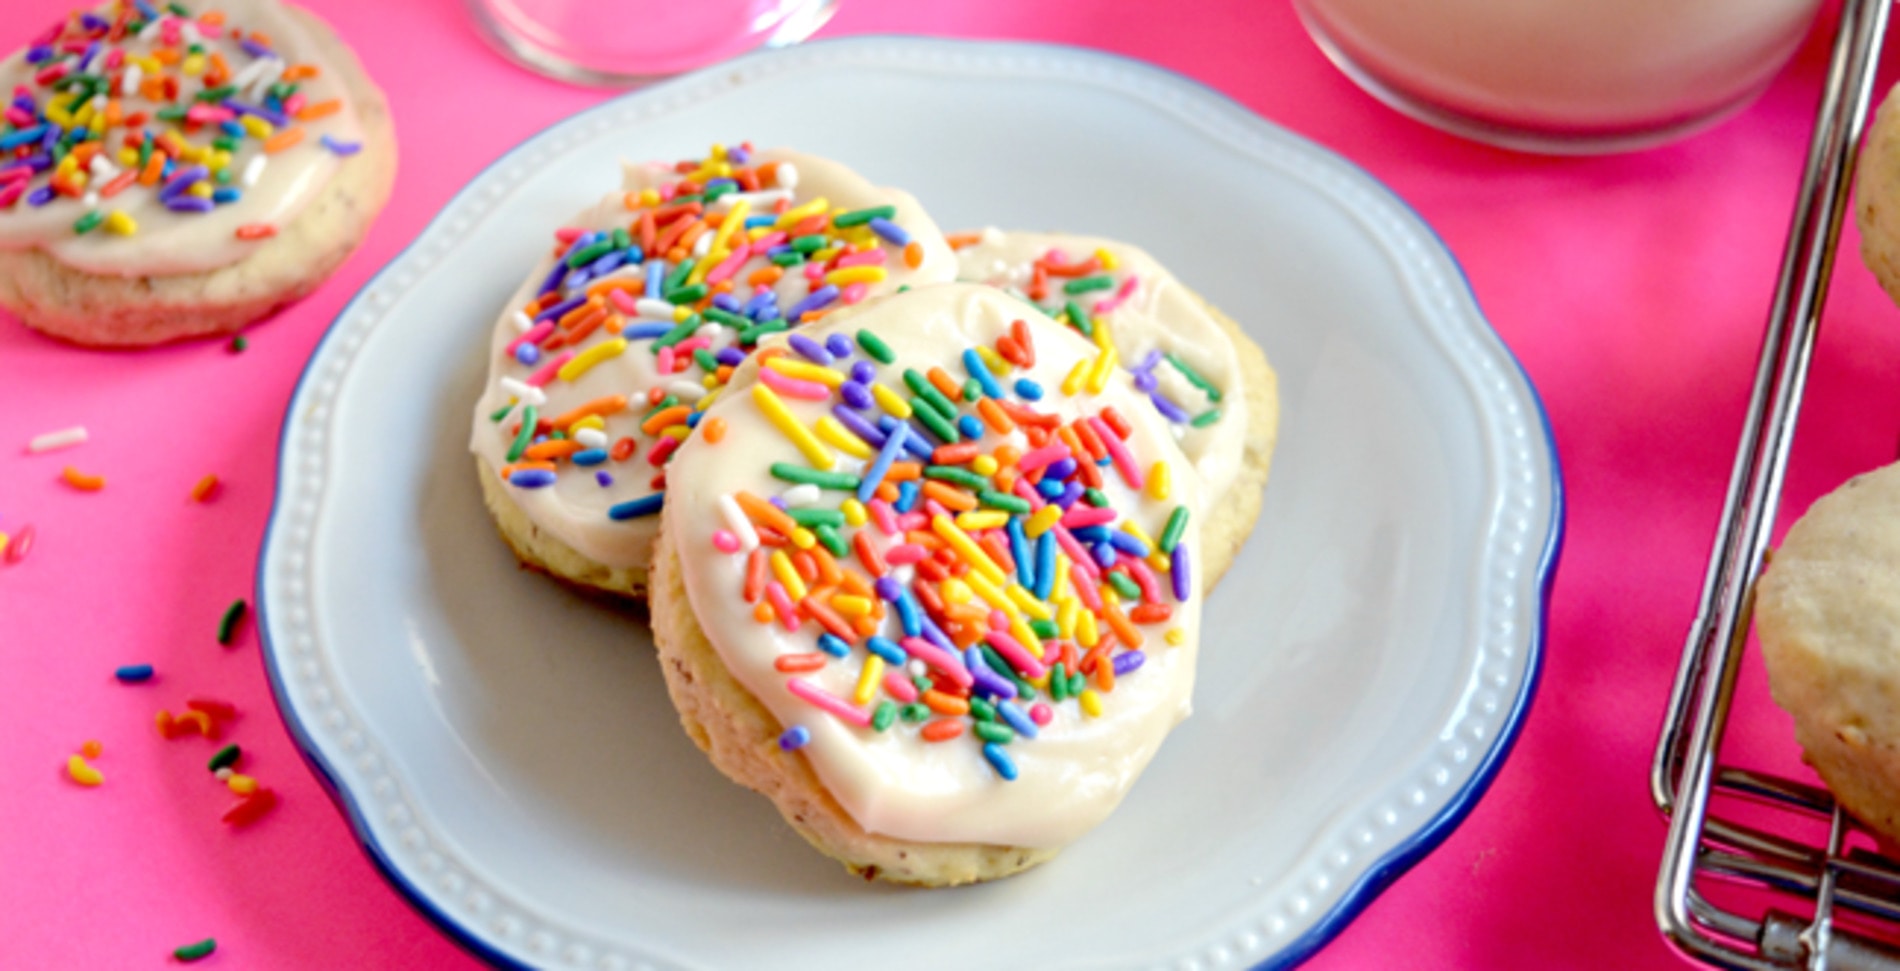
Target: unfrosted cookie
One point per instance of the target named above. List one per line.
(1877, 196)
(1828, 614)
(1195, 365)
(167, 175)
(939, 610)
(599, 363)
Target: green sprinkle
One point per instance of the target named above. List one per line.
(677, 278)
(995, 660)
(1096, 498)
(501, 412)
(922, 387)
(226, 757)
(962, 477)
(238, 344)
(1003, 501)
(530, 415)
(217, 94)
(171, 113)
(751, 335)
(712, 194)
(799, 474)
(832, 539)
(690, 294)
(1078, 319)
(1076, 683)
(727, 317)
(224, 143)
(858, 217)
(582, 257)
(886, 714)
(1058, 683)
(982, 709)
(1025, 692)
(993, 732)
(807, 245)
(223, 176)
(971, 389)
(557, 436)
(922, 683)
(664, 403)
(1171, 533)
(1045, 629)
(705, 359)
(202, 949)
(816, 517)
(233, 615)
(145, 152)
(1123, 585)
(790, 257)
(1194, 377)
(936, 423)
(875, 346)
(622, 239)
(89, 222)
(1206, 418)
(1088, 284)
(283, 92)
(914, 713)
(680, 332)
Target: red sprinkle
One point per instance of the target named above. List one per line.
(251, 808)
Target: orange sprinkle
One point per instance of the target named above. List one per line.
(942, 381)
(558, 449)
(1115, 421)
(714, 430)
(955, 454)
(801, 663)
(1118, 622)
(942, 730)
(887, 490)
(1152, 613)
(951, 497)
(81, 481)
(913, 254)
(945, 704)
(299, 72)
(766, 275)
(763, 613)
(827, 566)
(828, 618)
(806, 566)
(994, 416)
(283, 140)
(508, 470)
(755, 576)
(764, 512)
(603, 406)
(665, 417)
(904, 472)
(1105, 677)
(166, 55)
(962, 240)
(264, 39)
(92, 748)
(205, 489)
(256, 231)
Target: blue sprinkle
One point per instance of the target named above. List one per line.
(1090, 534)
(531, 479)
(634, 508)
(908, 613)
(529, 354)
(645, 332)
(1049, 487)
(1019, 551)
(692, 420)
(134, 673)
(1128, 543)
(795, 738)
(815, 300)
(971, 426)
(907, 493)
(1104, 555)
(224, 194)
(728, 303)
(809, 349)
(855, 395)
(759, 302)
(863, 372)
(1045, 564)
(231, 128)
(889, 231)
(885, 648)
(973, 363)
(342, 148)
(606, 264)
(833, 645)
(1028, 390)
(635, 254)
(24, 136)
(839, 345)
(1022, 723)
(604, 477)
(754, 222)
(999, 760)
(656, 275)
(589, 456)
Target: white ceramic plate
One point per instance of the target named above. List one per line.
(507, 753)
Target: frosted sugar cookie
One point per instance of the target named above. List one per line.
(932, 590)
(181, 169)
(1196, 367)
(602, 362)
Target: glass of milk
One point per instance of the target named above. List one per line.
(621, 44)
(1562, 76)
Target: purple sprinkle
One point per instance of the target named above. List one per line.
(987, 681)
(254, 48)
(855, 394)
(555, 276)
(342, 148)
(1144, 380)
(839, 345)
(859, 427)
(92, 51)
(1168, 409)
(1104, 554)
(277, 119)
(778, 501)
(890, 232)
(780, 248)
(729, 356)
(1128, 661)
(39, 161)
(889, 590)
(815, 300)
(864, 372)
(1148, 361)
(189, 203)
(37, 54)
(737, 155)
(728, 303)
(759, 302)
(810, 349)
(935, 635)
(555, 312)
(604, 478)
(1060, 469)
(531, 479)
(1071, 494)
(185, 179)
(607, 264)
(795, 738)
(527, 354)
(40, 196)
(1127, 543)
(1178, 572)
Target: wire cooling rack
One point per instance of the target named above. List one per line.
(1761, 872)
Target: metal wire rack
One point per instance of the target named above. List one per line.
(1760, 872)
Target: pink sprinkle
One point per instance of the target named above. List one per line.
(815, 273)
(905, 554)
(21, 545)
(568, 234)
(1079, 557)
(854, 292)
(18, 173)
(294, 104)
(730, 264)
(769, 240)
(898, 686)
(885, 517)
(533, 335)
(1041, 458)
(1040, 713)
(665, 361)
(1121, 296)
(819, 697)
(1124, 462)
(793, 387)
(11, 194)
(1144, 578)
(208, 114)
(782, 605)
(724, 541)
(998, 619)
(686, 347)
(1080, 516)
(939, 661)
(19, 117)
(622, 301)
(870, 257)
(549, 370)
(1015, 653)
(1028, 493)
(912, 520)
(933, 509)
(668, 191)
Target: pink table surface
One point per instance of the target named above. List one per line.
(1632, 288)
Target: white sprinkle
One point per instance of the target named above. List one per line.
(91, 199)
(591, 437)
(737, 522)
(129, 83)
(708, 330)
(801, 495)
(523, 323)
(686, 390)
(223, 773)
(762, 199)
(151, 29)
(249, 75)
(64, 438)
(102, 168)
(787, 176)
(189, 31)
(654, 308)
(703, 244)
(917, 668)
(253, 170)
(524, 392)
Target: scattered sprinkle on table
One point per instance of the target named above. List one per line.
(81, 772)
(198, 951)
(134, 673)
(238, 344)
(82, 481)
(205, 490)
(21, 544)
(64, 438)
(233, 616)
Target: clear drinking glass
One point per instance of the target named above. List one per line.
(623, 43)
(1562, 76)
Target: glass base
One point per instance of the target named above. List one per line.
(1520, 135)
(549, 51)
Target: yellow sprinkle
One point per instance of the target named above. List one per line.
(792, 217)
(1065, 618)
(992, 360)
(707, 402)
(851, 605)
(57, 113)
(1085, 633)
(1110, 597)
(82, 773)
(735, 217)
(1091, 702)
(200, 189)
(119, 224)
(991, 594)
(824, 255)
(1073, 383)
(859, 236)
(854, 512)
(710, 381)
(194, 65)
(84, 115)
(983, 465)
(1028, 602)
(966, 548)
(788, 575)
(218, 159)
(1061, 592)
(242, 785)
(67, 166)
(956, 591)
(649, 197)
(782, 419)
(1042, 521)
(704, 266)
(681, 312)
(889, 400)
(257, 127)
(846, 441)
(582, 362)
(718, 151)
(1158, 562)
(868, 678)
(804, 538)
(591, 421)
(1102, 340)
(1019, 628)
(128, 157)
(1175, 636)
(679, 432)
(806, 371)
(1107, 259)
(1160, 477)
(983, 519)
(855, 274)
(1104, 366)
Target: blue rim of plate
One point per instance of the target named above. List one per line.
(1363, 891)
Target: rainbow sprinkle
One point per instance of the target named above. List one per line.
(702, 268)
(139, 98)
(1010, 574)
